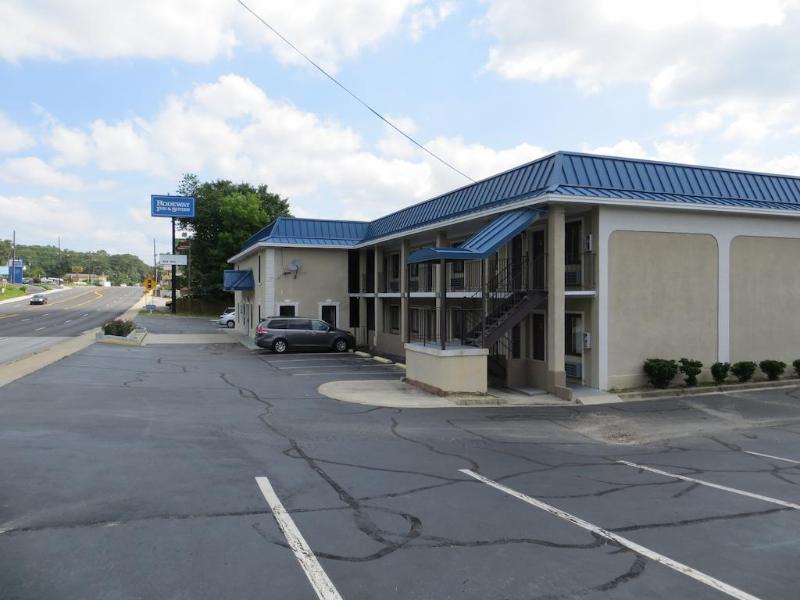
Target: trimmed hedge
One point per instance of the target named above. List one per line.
(719, 371)
(118, 327)
(660, 371)
(773, 369)
(743, 370)
(690, 368)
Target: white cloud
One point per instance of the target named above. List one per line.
(788, 164)
(684, 50)
(232, 129)
(34, 171)
(71, 145)
(13, 137)
(44, 218)
(664, 150)
(200, 30)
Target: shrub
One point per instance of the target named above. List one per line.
(719, 371)
(660, 371)
(773, 369)
(690, 368)
(796, 365)
(743, 370)
(118, 327)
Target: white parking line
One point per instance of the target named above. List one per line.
(392, 372)
(344, 365)
(320, 581)
(640, 550)
(789, 460)
(68, 321)
(28, 319)
(717, 486)
(40, 328)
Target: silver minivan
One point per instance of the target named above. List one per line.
(280, 334)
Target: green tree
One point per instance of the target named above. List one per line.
(226, 215)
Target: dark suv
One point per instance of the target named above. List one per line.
(279, 334)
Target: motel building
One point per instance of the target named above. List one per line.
(562, 274)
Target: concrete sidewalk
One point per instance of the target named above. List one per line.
(398, 394)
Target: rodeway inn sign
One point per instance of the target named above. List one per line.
(172, 206)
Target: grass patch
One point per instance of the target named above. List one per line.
(13, 292)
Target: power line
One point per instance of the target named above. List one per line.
(353, 94)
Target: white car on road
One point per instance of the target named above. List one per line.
(228, 317)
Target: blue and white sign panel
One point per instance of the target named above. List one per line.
(172, 206)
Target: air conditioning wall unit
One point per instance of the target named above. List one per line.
(574, 370)
(572, 277)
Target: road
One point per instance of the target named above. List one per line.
(25, 329)
(208, 471)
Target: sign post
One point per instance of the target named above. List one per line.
(173, 207)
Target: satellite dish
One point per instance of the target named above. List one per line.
(294, 267)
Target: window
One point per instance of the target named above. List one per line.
(319, 325)
(304, 324)
(259, 269)
(538, 332)
(393, 322)
(572, 243)
(395, 259)
(329, 312)
(355, 312)
(573, 335)
(277, 324)
(286, 310)
(259, 313)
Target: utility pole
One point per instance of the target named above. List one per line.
(174, 271)
(13, 256)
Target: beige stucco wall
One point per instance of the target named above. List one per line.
(389, 343)
(254, 297)
(662, 301)
(322, 278)
(765, 295)
(449, 371)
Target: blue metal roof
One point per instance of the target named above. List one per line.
(315, 232)
(484, 242)
(568, 174)
(237, 280)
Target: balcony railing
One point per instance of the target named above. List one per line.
(423, 327)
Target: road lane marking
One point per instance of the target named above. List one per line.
(640, 550)
(717, 486)
(7, 316)
(40, 328)
(319, 580)
(68, 322)
(789, 460)
(24, 320)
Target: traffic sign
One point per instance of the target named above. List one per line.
(166, 260)
(149, 284)
(172, 206)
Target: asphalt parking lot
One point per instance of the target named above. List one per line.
(209, 471)
(329, 365)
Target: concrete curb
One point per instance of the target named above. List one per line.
(751, 386)
(29, 296)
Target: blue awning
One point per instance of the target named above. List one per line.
(238, 280)
(484, 242)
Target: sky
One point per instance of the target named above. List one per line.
(104, 102)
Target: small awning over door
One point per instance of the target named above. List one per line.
(484, 242)
(238, 280)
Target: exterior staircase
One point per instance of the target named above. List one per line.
(509, 299)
